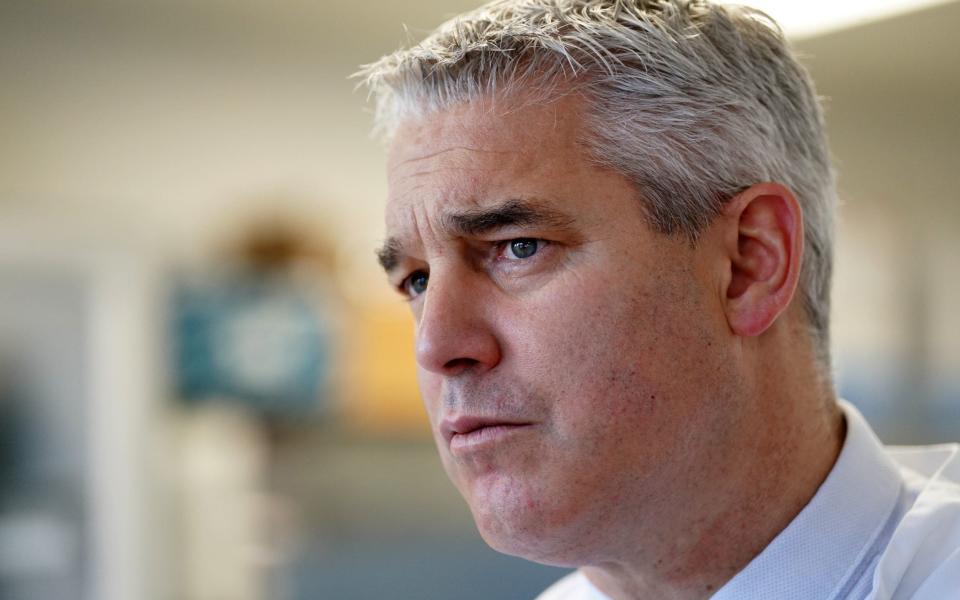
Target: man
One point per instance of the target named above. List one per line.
(613, 223)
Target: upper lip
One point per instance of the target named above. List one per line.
(465, 424)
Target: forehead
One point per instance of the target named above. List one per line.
(514, 123)
(484, 152)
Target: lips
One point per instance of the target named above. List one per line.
(464, 433)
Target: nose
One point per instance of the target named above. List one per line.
(453, 331)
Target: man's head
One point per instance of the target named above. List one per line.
(600, 212)
(691, 101)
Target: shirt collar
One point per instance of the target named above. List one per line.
(824, 547)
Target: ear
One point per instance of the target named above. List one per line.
(764, 244)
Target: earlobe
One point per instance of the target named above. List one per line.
(764, 246)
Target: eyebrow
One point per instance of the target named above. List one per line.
(388, 255)
(474, 222)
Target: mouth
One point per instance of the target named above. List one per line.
(468, 433)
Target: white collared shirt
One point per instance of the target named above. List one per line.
(884, 525)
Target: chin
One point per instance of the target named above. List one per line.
(546, 535)
(544, 548)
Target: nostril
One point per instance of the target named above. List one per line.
(460, 364)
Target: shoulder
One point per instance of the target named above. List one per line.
(574, 586)
(922, 560)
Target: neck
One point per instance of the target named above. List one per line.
(764, 484)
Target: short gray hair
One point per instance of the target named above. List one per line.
(691, 101)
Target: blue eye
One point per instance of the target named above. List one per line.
(523, 247)
(416, 283)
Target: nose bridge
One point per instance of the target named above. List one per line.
(453, 332)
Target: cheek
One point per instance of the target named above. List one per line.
(611, 359)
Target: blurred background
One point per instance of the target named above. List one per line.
(206, 387)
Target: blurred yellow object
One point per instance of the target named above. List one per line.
(383, 396)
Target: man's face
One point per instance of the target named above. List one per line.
(573, 362)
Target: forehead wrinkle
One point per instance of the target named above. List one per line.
(417, 226)
(430, 155)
